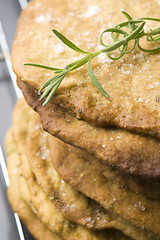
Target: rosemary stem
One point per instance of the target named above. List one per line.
(114, 46)
(80, 63)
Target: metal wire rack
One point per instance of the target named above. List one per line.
(9, 220)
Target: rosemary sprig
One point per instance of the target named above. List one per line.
(120, 38)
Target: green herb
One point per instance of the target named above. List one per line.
(120, 38)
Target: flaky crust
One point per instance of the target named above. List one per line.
(132, 82)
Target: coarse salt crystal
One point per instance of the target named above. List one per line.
(102, 58)
(140, 100)
(156, 84)
(91, 11)
(58, 48)
(150, 85)
(43, 18)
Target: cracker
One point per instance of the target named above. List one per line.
(72, 203)
(130, 153)
(18, 204)
(131, 82)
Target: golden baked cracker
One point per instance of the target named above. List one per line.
(130, 153)
(131, 82)
(15, 198)
(72, 203)
(77, 171)
(148, 189)
(44, 207)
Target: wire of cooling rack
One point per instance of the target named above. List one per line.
(23, 3)
(6, 178)
(5, 55)
(4, 169)
(1, 57)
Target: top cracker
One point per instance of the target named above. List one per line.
(133, 82)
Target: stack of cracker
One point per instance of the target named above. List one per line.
(85, 166)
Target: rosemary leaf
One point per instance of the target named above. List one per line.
(53, 79)
(112, 30)
(95, 80)
(133, 35)
(53, 90)
(67, 41)
(43, 66)
(155, 50)
(126, 15)
(49, 88)
(151, 19)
